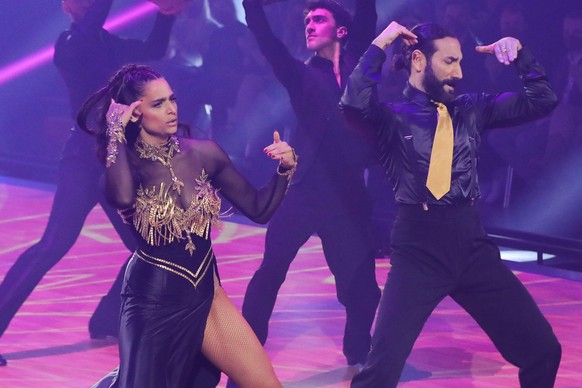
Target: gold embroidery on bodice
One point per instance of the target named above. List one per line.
(193, 278)
(160, 220)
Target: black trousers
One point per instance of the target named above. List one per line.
(345, 237)
(77, 193)
(445, 252)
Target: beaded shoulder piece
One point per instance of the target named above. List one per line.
(160, 220)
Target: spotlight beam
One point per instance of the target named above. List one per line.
(44, 55)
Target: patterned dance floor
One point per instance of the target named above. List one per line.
(47, 344)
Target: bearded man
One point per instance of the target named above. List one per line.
(429, 148)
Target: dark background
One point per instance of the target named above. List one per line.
(35, 117)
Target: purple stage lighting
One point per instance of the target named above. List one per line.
(44, 55)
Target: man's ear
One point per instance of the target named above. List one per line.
(417, 61)
(341, 32)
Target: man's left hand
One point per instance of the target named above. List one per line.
(505, 49)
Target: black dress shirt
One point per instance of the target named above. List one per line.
(332, 158)
(87, 55)
(405, 130)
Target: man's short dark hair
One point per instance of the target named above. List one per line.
(340, 14)
(426, 33)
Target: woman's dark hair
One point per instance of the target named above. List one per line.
(340, 14)
(426, 34)
(125, 87)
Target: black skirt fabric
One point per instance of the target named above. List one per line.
(165, 305)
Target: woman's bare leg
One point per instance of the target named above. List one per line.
(231, 345)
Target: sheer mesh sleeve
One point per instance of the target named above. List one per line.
(257, 204)
(197, 160)
(120, 187)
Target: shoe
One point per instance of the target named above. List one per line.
(3, 361)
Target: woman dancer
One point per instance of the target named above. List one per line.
(175, 315)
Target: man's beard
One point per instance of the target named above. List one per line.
(435, 88)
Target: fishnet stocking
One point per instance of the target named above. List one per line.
(230, 344)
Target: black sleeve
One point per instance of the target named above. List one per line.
(363, 28)
(120, 182)
(84, 39)
(154, 47)
(88, 45)
(359, 103)
(95, 16)
(286, 68)
(536, 100)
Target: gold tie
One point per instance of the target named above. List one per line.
(441, 156)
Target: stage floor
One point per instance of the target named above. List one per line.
(47, 343)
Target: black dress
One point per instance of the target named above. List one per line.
(170, 281)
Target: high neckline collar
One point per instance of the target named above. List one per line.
(421, 98)
(161, 152)
(417, 96)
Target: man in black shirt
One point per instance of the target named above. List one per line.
(439, 246)
(328, 195)
(86, 55)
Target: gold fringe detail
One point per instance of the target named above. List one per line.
(160, 220)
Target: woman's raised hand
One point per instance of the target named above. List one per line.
(282, 152)
(121, 113)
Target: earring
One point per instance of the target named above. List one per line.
(133, 119)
